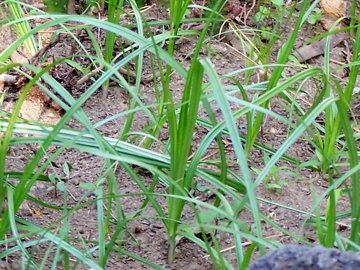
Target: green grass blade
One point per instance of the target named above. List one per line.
(234, 135)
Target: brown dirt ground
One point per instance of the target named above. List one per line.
(148, 232)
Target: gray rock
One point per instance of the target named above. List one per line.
(298, 257)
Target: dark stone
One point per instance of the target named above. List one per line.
(298, 257)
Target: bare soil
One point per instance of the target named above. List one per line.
(148, 233)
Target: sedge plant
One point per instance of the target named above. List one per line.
(336, 121)
(276, 73)
(114, 10)
(333, 120)
(21, 28)
(181, 129)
